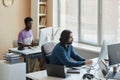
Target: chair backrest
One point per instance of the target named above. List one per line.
(15, 44)
(1, 56)
(47, 49)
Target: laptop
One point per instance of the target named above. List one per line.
(56, 70)
(108, 74)
(104, 68)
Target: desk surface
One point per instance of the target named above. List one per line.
(42, 75)
(26, 51)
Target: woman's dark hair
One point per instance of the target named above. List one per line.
(65, 35)
(27, 19)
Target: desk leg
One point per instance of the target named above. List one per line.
(26, 60)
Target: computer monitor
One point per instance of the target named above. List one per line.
(45, 35)
(114, 54)
(103, 53)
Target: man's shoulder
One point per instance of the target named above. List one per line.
(24, 31)
(59, 46)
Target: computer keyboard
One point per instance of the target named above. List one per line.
(110, 75)
(113, 75)
(117, 76)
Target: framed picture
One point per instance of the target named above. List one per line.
(8, 3)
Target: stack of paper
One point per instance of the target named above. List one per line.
(12, 58)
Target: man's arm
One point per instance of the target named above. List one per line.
(78, 58)
(34, 44)
(23, 45)
(61, 55)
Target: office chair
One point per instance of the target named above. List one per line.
(1, 56)
(47, 49)
(14, 43)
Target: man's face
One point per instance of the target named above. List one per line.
(70, 39)
(29, 25)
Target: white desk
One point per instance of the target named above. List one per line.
(28, 53)
(15, 71)
(42, 75)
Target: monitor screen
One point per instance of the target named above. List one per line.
(45, 35)
(114, 54)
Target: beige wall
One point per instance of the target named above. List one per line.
(11, 22)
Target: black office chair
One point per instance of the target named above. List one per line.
(47, 49)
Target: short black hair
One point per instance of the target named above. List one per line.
(65, 35)
(27, 19)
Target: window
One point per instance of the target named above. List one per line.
(91, 21)
(118, 38)
(109, 20)
(71, 18)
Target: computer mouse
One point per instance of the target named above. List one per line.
(88, 76)
(21, 48)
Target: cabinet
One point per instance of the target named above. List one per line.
(41, 12)
(15, 71)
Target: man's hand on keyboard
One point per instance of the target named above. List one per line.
(88, 62)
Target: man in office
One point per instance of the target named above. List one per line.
(25, 37)
(63, 51)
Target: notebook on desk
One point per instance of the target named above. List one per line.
(73, 70)
(56, 71)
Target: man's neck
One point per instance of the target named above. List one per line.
(67, 45)
(27, 29)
